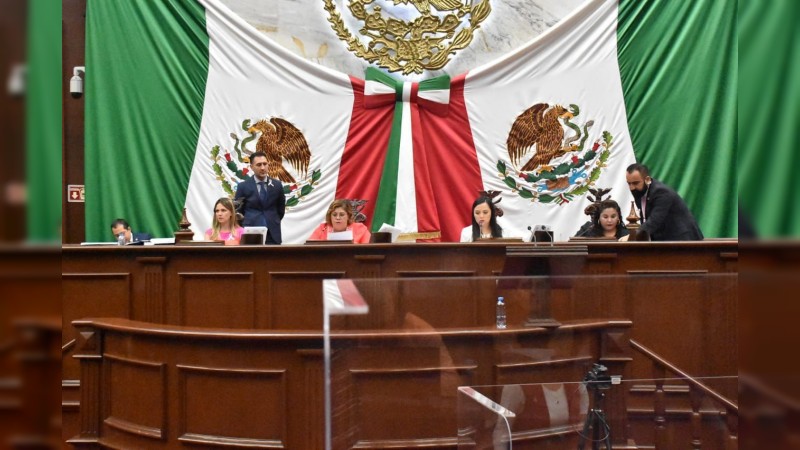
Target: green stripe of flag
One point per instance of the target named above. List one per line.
(441, 82)
(678, 63)
(769, 112)
(146, 69)
(386, 204)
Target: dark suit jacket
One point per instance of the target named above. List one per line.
(667, 216)
(258, 214)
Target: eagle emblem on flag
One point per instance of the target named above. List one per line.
(288, 158)
(408, 36)
(547, 159)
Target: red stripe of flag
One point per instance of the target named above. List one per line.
(365, 151)
(453, 173)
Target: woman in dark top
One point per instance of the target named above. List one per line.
(606, 222)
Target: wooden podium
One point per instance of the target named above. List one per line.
(550, 267)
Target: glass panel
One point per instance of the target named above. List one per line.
(421, 362)
(482, 423)
(668, 413)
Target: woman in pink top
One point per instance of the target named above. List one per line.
(223, 227)
(340, 218)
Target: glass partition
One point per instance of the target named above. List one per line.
(421, 362)
(583, 415)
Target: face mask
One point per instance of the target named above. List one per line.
(639, 193)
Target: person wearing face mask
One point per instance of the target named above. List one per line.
(340, 218)
(121, 226)
(664, 214)
(484, 222)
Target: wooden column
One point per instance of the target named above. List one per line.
(90, 354)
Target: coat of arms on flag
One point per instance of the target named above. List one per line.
(436, 30)
(288, 158)
(551, 166)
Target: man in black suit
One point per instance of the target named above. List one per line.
(665, 216)
(122, 226)
(261, 199)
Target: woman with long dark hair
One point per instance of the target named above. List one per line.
(484, 221)
(607, 221)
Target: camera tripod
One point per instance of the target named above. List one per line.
(596, 422)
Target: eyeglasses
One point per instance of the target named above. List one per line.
(337, 215)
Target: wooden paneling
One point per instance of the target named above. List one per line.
(135, 382)
(217, 300)
(423, 399)
(446, 299)
(296, 299)
(444, 286)
(260, 389)
(233, 406)
(91, 295)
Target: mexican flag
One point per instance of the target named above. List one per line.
(180, 92)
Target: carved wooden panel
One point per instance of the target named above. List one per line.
(313, 398)
(91, 295)
(295, 299)
(670, 312)
(217, 299)
(383, 398)
(233, 406)
(442, 299)
(150, 289)
(134, 382)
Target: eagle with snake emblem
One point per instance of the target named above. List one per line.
(281, 141)
(538, 128)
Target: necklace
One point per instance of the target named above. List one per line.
(485, 236)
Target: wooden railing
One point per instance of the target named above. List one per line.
(697, 391)
(770, 413)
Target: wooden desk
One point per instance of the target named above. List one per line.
(278, 289)
(163, 387)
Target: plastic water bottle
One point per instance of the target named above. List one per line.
(121, 239)
(501, 313)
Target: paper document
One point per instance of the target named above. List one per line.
(162, 241)
(346, 235)
(395, 232)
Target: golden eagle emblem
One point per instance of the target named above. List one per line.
(282, 141)
(408, 35)
(537, 143)
(538, 128)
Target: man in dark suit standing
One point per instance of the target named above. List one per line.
(261, 199)
(665, 216)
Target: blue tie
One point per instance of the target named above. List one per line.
(262, 194)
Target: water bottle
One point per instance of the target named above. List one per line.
(121, 238)
(501, 313)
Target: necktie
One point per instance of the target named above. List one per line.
(262, 191)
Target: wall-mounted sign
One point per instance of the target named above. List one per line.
(75, 193)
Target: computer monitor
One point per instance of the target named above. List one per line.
(254, 236)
